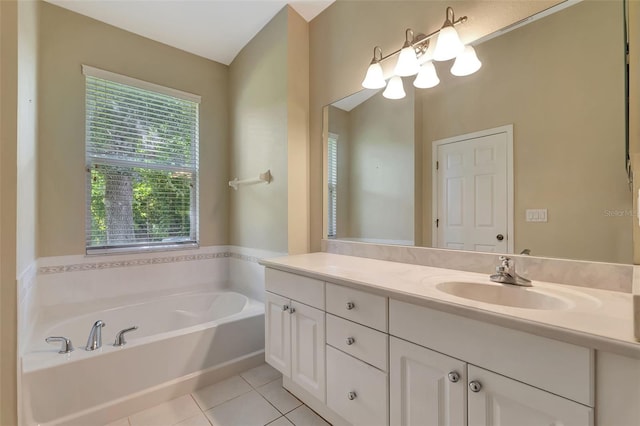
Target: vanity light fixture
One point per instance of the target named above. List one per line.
(466, 63)
(395, 88)
(441, 45)
(449, 45)
(427, 77)
(374, 78)
(407, 64)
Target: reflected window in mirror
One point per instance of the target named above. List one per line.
(332, 162)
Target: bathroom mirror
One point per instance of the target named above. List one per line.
(557, 84)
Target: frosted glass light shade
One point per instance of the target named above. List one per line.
(466, 63)
(448, 45)
(427, 77)
(407, 62)
(395, 89)
(374, 78)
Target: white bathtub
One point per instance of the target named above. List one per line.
(179, 337)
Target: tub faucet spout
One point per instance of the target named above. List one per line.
(95, 336)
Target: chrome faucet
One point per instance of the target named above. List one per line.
(506, 273)
(95, 336)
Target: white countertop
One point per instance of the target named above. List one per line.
(593, 318)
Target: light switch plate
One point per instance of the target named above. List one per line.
(536, 215)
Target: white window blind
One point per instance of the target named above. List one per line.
(332, 172)
(142, 165)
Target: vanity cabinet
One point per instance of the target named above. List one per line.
(426, 387)
(429, 388)
(495, 400)
(295, 331)
(390, 362)
(357, 355)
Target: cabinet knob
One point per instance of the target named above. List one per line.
(350, 306)
(475, 386)
(454, 376)
(292, 310)
(285, 308)
(350, 340)
(351, 396)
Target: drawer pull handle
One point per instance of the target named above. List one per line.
(292, 310)
(350, 341)
(454, 376)
(350, 306)
(351, 396)
(475, 386)
(285, 308)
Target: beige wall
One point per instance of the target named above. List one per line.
(8, 203)
(569, 128)
(268, 109)
(341, 44)
(381, 178)
(68, 40)
(298, 133)
(634, 113)
(27, 134)
(258, 112)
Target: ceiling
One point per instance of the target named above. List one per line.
(214, 29)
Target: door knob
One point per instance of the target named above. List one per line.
(499, 237)
(351, 396)
(350, 305)
(292, 310)
(285, 308)
(454, 376)
(350, 340)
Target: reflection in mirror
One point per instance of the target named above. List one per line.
(559, 86)
(371, 180)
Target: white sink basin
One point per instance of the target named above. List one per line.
(516, 297)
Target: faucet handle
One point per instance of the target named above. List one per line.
(67, 346)
(120, 336)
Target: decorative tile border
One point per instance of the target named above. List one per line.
(56, 269)
(245, 257)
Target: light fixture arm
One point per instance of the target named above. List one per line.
(377, 59)
(421, 41)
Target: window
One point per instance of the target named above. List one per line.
(332, 172)
(142, 164)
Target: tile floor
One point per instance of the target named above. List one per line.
(254, 398)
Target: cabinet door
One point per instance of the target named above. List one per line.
(278, 333)
(422, 393)
(307, 348)
(502, 401)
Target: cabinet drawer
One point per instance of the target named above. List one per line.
(356, 391)
(367, 344)
(296, 287)
(363, 308)
(558, 367)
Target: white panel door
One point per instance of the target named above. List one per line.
(422, 394)
(278, 333)
(501, 401)
(471, 193)
(307, 349)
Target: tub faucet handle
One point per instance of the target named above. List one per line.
(66, 348)
(120, 336)
(95, 336)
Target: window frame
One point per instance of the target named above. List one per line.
(193, 242)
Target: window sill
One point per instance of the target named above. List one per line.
(101, 251)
